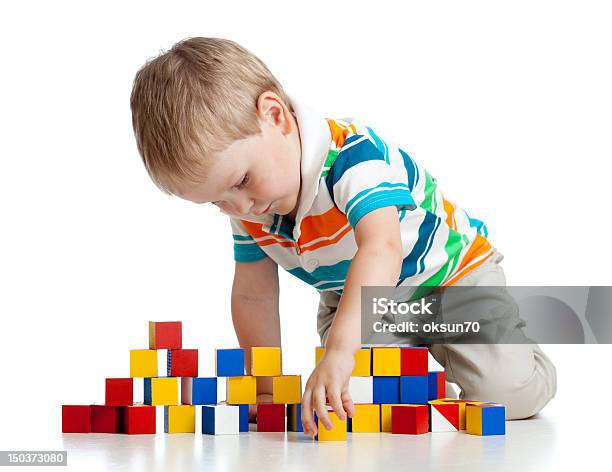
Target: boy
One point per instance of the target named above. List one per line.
(331, 202)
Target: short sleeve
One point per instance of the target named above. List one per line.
(363, 178)
(245, 247)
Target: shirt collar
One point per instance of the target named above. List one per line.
(315, 139)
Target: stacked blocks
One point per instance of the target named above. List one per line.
(229, 362)
(139, 419)
(106, 419)
(294, 418)
(485, 419)
(241, 390)
(443, 416)
(365, 420)
(220, 419)
(199, 390)
(165, 335)
(436, 385)
(391, 389)
(179, 419)
(161, 391)
(270, 417)
(182, 363)
(143, 363)
(409, 419)
(119, 392)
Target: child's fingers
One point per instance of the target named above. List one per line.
(307, 419)
(347, 403)
(336, 403)
(318, 397)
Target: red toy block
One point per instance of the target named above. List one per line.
(106, 419)
(409, 419)
(182, 363)
(413, 360)
(76, 418)
(271, 417)
(165, 335)
(119, 392)
(139, 419)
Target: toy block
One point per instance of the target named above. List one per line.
(165, 335)
(485, 419)
(409, 419)
(462, 404)
(76, 418)
(161, 391)
(182, 363)
(414, 360)
(199, 390)
(294, 418)
(365, 420)
(443, 417)
(363, 358)
(139, 419)
(338, 431)
(386, 361)
(270, 417)
(106, 419)
(229, 362)
(385, 416)
(436, 385)
(243, 413)
(413, 389)
(266, 361)
(287, 389)
(386, 389)
(143, 363)
(241, 390)
(119, 392)
(179, 418)
(220, 419)
(361, 389)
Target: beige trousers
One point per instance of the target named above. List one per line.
(520, 376)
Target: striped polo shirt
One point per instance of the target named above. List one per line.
(347, 171)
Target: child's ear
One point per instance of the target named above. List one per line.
(272, 110)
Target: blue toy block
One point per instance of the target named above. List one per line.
(220, 419)
(493, 421)
(147, 390)
(229, 362)
(244, 418)
(386, 389)
(414, 389)
(433, 386)
(294, 418)
(204, 391)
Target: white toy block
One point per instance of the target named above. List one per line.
(361, 389)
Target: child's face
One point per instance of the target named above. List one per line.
(259, 174)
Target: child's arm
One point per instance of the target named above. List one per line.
(255, 312)
(378, 261)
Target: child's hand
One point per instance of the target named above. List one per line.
(261, 398)
(328, 383)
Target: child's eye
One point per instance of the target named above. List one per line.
(243, 182)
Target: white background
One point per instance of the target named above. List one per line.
(506, 104)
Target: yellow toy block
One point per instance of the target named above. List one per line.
(462, 404)
(385, 416)
(387, 361)
(338, 431)
(287, 389)
(366, 419)
(161, 391)
(485, 419)
(362, 361)
(266, 361)
(179, 419)
(241, 389)
(143, 363)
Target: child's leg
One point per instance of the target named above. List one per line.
(520, 376)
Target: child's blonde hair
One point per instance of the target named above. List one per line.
(194, 100)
